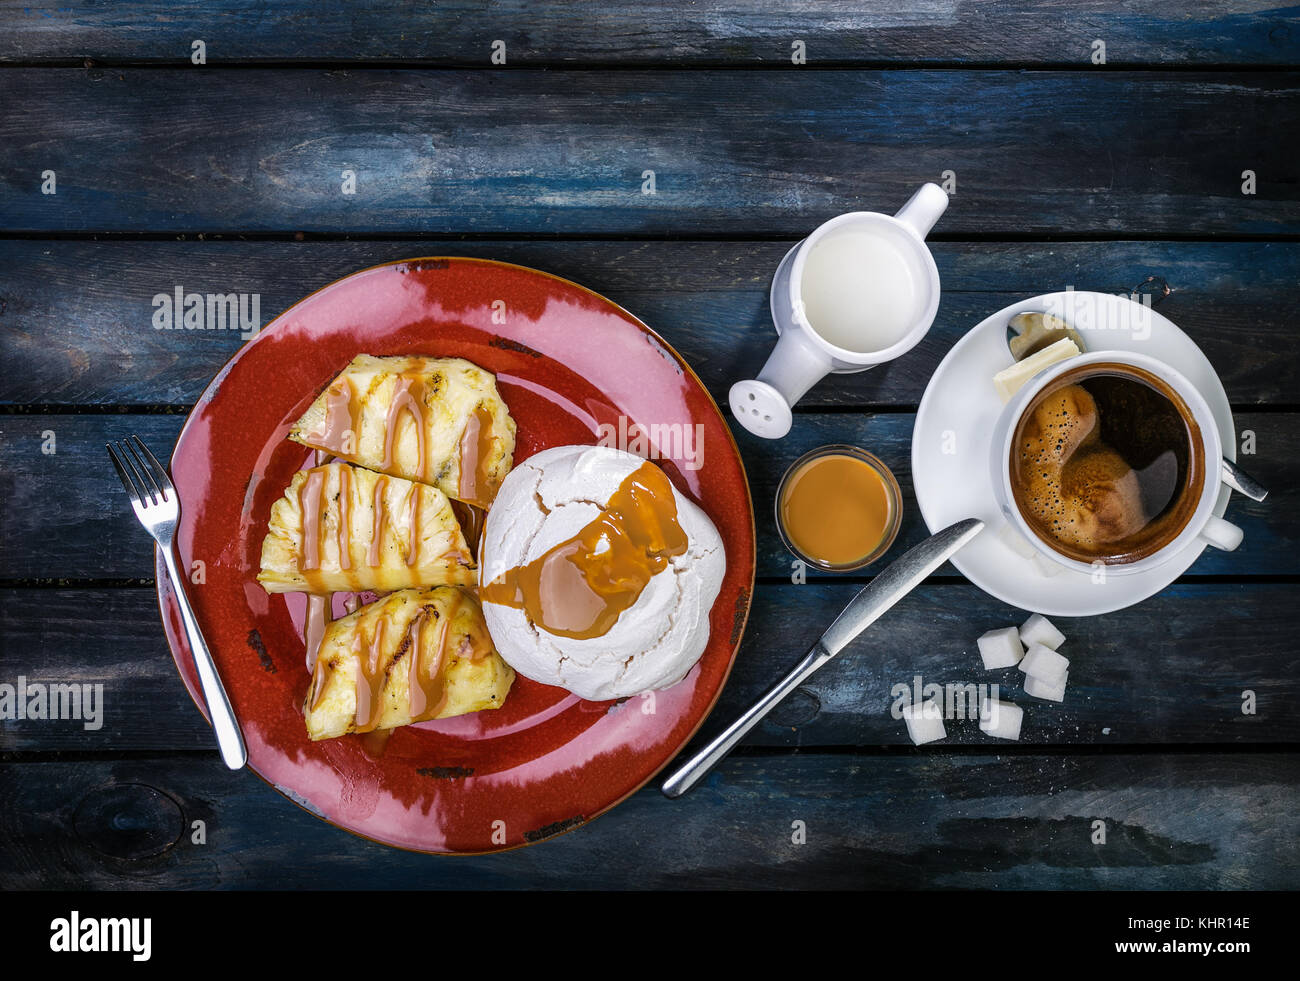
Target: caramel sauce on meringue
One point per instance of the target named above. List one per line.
(581, 586)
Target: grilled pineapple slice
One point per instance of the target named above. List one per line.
(340, 527)
(440, 421)
(412, 656)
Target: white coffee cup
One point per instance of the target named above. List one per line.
(860, 290)
(1202, 525)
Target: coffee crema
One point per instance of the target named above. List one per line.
(1107, 463)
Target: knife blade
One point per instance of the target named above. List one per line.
(874, 599)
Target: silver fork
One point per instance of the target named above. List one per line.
(157, 505)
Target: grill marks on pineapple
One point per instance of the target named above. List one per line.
(406, 658)
(433, 420)
(426, 676)
(405, 534)
(409, 403)
(424, 689)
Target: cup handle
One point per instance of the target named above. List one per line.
(1221, 534)
(923, 208)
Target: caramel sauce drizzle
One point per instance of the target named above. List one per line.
(475, 484)
(310, 494)
(319, 669)
(581, 586)
(317, 689)
(427, 694)
(318, 607)
(377, 522)
(340, 419)
(370, 681)
(374, 741)
(425, 681)
(345, 518)
(314, 628)
(470, 518)
(426, 669)
(476, 644)
(412, 524)
(408, 396)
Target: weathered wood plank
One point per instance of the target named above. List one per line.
(1173, 670)
(737, 152)
(77, 315)
(66, 515)
(1187, 821)
(712, 31)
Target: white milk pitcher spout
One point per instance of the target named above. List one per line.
(860, 290)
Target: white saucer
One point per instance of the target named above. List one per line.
(957, 414)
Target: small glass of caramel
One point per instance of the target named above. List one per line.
(838, 508)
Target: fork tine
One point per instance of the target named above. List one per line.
(138, 466)
(127, 483)
(124, 453)
(158, 470)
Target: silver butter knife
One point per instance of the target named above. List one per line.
(886, 589)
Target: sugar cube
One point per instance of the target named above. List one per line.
(1045, 664)
(1041, 689)
(1000, 719)
(1001, 648)
(924, 722)
(1039, 630)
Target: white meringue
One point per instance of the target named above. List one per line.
(546, 500)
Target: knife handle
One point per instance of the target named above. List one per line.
(693, 770)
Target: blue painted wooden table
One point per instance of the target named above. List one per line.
(146, 146)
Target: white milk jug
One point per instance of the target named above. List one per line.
(860, 290)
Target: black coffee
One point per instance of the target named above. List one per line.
(1106, 464)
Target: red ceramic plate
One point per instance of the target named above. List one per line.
(567, 362)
